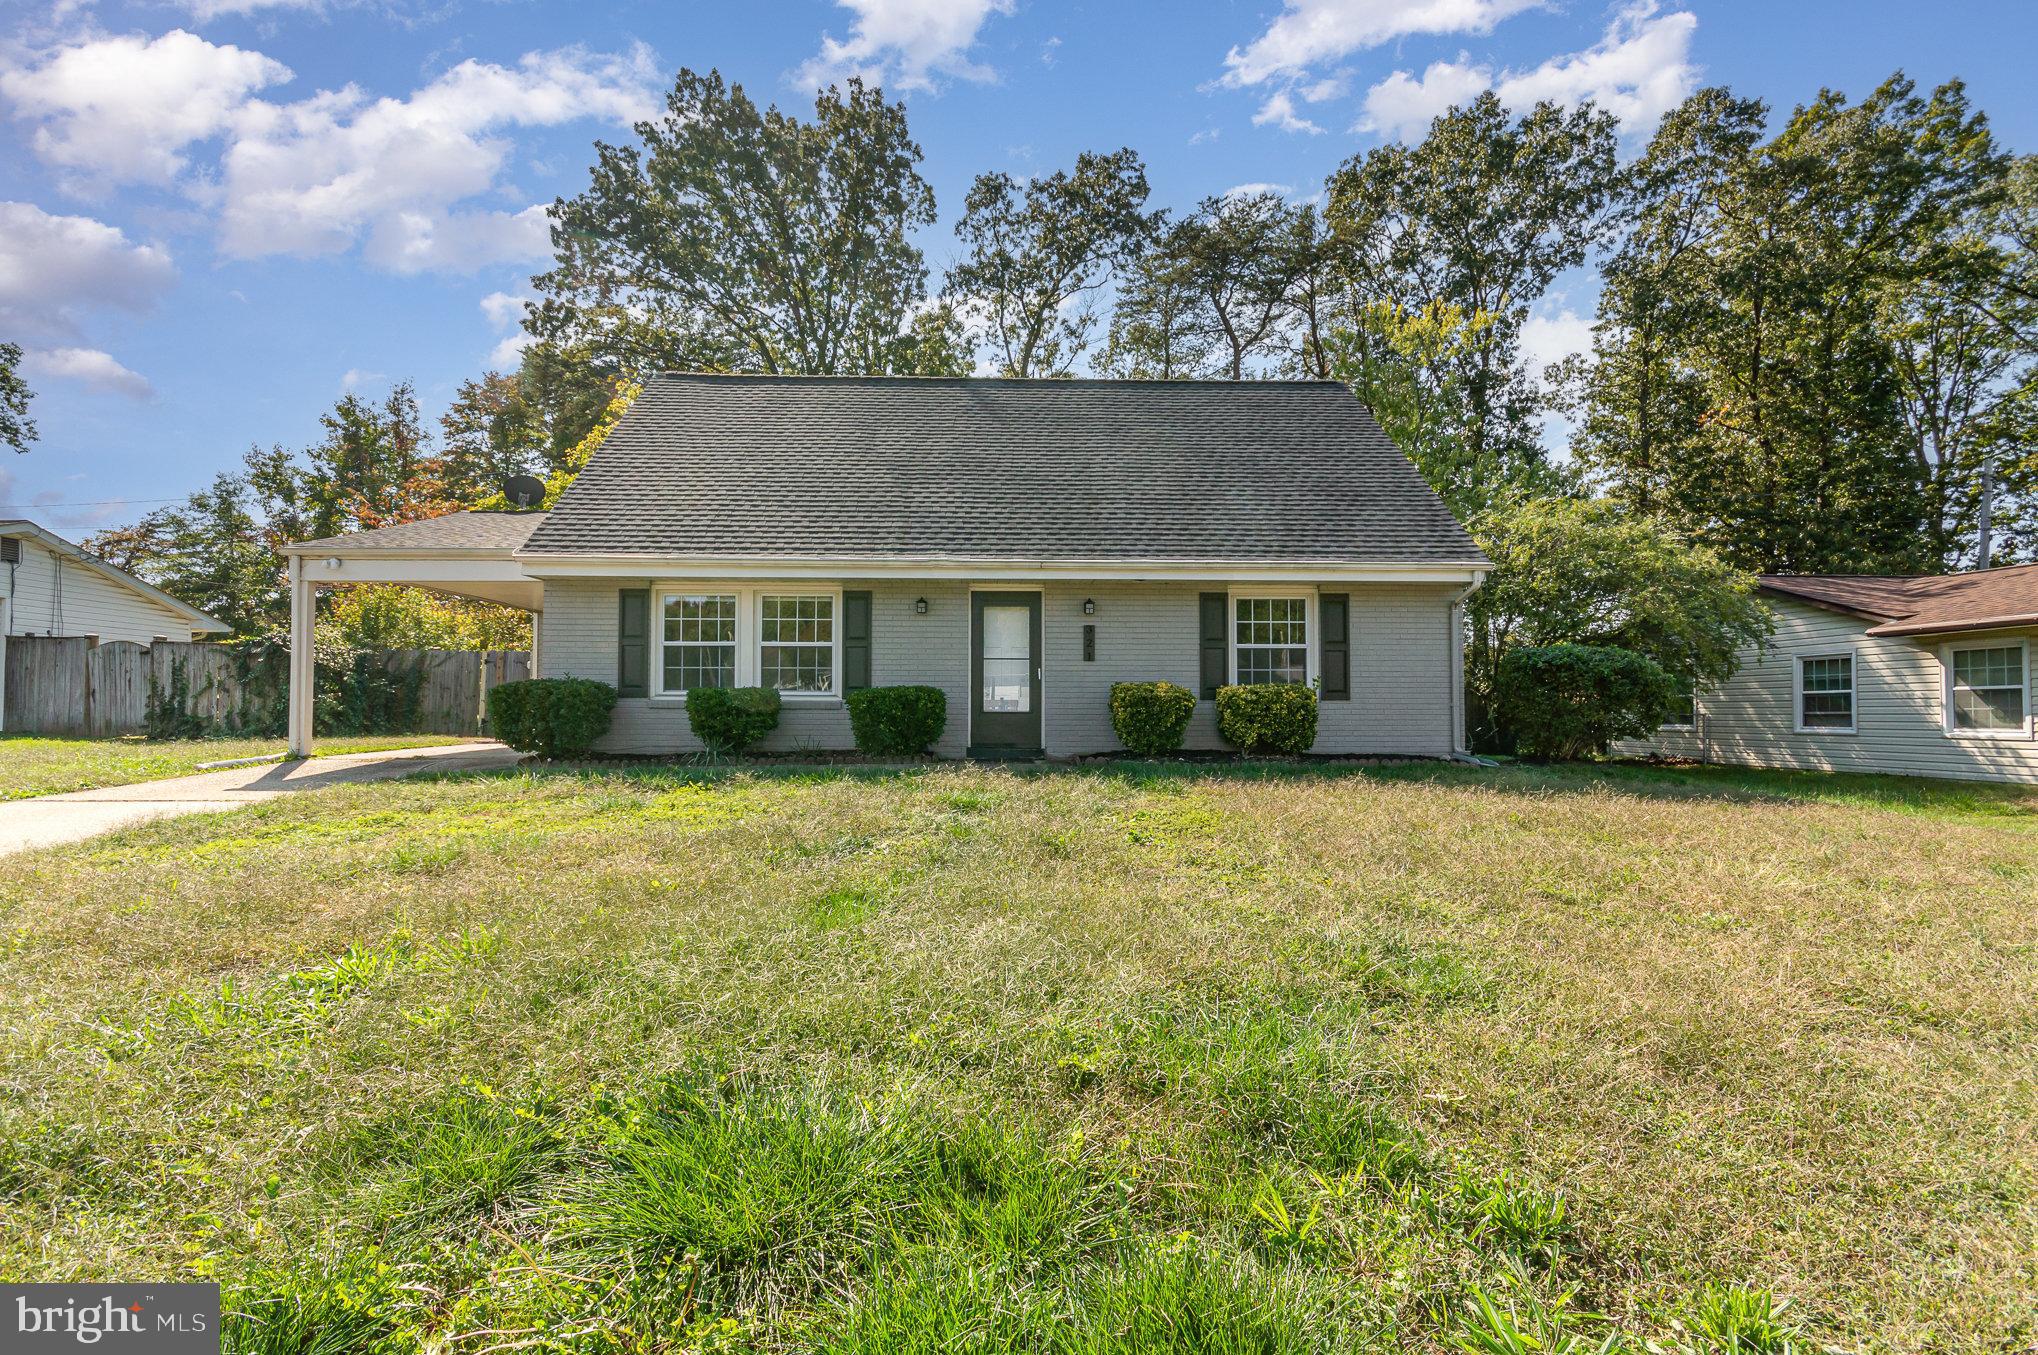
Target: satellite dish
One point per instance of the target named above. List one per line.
(524, 491)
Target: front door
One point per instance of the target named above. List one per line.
(1004, 669)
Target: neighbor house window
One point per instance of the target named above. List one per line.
(1271, 640)
(1825, 692)
(700, 641)
(1683, 708)
(796, 642)
(1986, 691)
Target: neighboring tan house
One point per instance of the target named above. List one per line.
(1020, 544)
(1923, 676)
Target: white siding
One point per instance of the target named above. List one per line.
(53, 595)
(1899, 709)
(1403, 665)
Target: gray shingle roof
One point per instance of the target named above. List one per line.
(454, 531)
(741, 466)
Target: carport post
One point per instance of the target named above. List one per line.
(301, 666)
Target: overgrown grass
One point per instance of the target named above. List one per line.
(1121, 1059)
(33, 765)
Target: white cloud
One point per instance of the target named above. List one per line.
(905, 44)
(337, 169)
(1309, 32)
(214, 9)
(54, 268)
(1257, 189)
(1279, 109)
(126, 109)
(1555, 332)
(89, 366)
(1640, 69)
(505, 313)
(354, 378)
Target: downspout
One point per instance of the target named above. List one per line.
(1456, 675)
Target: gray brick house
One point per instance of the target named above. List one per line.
(1020, 544)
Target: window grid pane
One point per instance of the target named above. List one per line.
(1271, 638)
(1988, 688)
(796, 643)
(1828, 688)
(700, 642)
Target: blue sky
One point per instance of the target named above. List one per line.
(217, 215)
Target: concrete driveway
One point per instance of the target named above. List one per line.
(50, 819)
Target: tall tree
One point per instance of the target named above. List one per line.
(1036, 255)
(1157, 333)
(1796, 360)
(17, 430)
(213, 551)
(740, 238)
(1482, 215)
(375, 466)
(1240, 254)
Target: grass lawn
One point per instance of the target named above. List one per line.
(1112, 1059)
(33, 765)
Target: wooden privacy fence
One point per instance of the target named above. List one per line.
(73, 686)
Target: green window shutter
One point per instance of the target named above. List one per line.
(1334, 648)
(1216, 645)
(633, 642)
(855, 640)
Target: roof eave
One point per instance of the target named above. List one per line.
(1859, 613)
(1909, 628)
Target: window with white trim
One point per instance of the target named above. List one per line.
(1986, 690)
(796, 642)
(1270, 640)
(699, 642)
(1825, 692)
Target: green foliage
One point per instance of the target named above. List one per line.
(17, 430)
(896, 721)
(1481, 215)
(1151, 718)
(740, 238)
(167, 713)
(729, 719)
(1277, 718)
(552, 717)
(1572, 701)
(1035, 252)
(392, 616)
(1409, 367)
(1810, 345)
(1574, 571)
(1511, 1318)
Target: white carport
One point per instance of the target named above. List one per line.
(468, 555)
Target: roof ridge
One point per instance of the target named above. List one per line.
(1070, 381)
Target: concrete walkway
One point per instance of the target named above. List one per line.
(49, 819)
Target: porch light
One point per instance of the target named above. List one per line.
(919, 606)
(332, 562)
(1089, 606)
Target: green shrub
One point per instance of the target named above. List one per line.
(552, 717)
(1151, 718)
(1266, 718)
(897, 721)
(730, 719)
(1573, 701)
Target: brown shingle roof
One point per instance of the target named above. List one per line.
(1922, 604)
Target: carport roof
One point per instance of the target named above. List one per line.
(492, 532)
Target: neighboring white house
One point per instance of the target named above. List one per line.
(1920, 676)
(1022, 545)
(48, 586)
